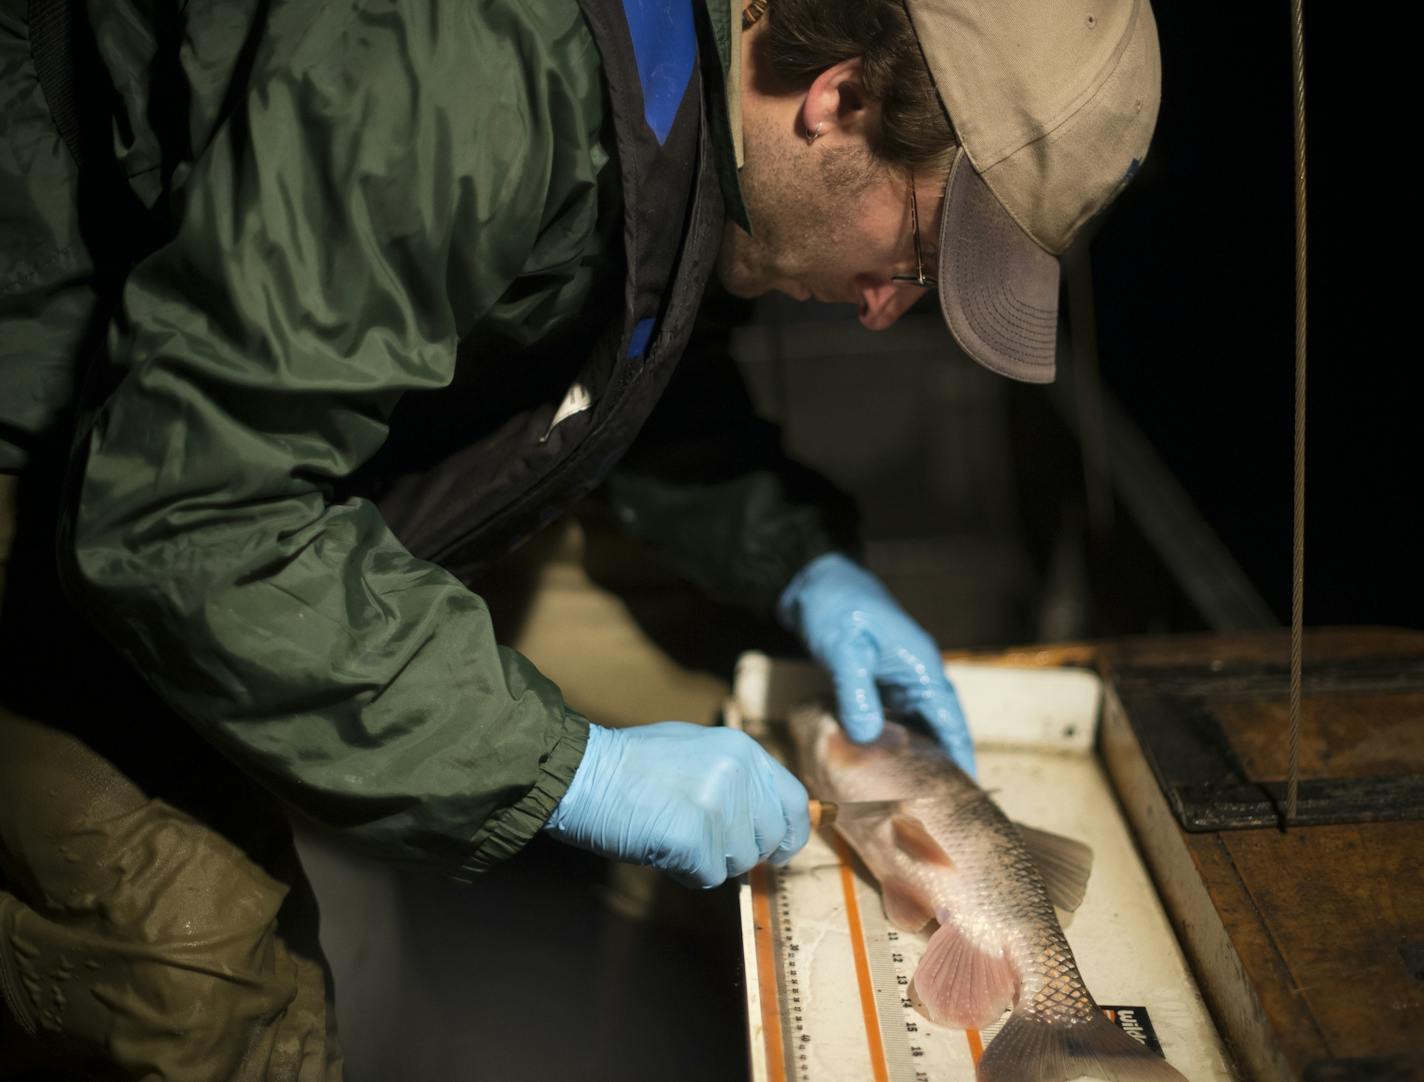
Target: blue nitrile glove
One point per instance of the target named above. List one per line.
(700, 804)
(853, 627)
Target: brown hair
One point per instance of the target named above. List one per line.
(805, 37)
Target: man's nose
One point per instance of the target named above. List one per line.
(882, 303)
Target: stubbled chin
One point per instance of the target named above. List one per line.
(735, 266)
(737, 285)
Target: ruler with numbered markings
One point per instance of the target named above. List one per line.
(819, 927)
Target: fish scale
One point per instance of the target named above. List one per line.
(1052, 987)
(1052, 984)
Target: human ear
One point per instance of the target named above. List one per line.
(836, 103)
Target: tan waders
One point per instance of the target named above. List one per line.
(138, 942)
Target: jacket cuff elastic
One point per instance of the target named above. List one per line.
(513, 828)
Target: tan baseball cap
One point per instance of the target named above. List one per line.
(1054, 102)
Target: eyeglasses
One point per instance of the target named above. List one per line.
(919, 278)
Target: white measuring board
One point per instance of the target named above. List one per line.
(827, 976)
(820, 926)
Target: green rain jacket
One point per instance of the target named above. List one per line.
(352, 195)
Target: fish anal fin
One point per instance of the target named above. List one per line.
(960, 983)
(903, 906)
(914, 839)
(1031, 1049)
(1064, 863)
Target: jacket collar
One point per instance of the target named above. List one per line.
(724, 104)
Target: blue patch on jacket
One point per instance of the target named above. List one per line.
(665, 46)
(642, 333)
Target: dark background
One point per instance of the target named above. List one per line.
(1194, 274)
(979, 493)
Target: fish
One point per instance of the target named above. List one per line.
(949, 854)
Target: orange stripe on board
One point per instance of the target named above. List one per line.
(976, 1045)
(881, 1073)
(766, 975)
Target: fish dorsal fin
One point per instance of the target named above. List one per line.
(915, 840)
(1064, 864)
(903, 905)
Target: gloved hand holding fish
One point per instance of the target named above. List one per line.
(876, 655)
(947, 853)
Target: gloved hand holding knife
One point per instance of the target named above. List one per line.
(702, 804)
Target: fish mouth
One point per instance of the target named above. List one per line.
(809, 724)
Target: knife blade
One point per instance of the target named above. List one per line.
(826, 812)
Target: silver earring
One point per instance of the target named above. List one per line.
(812, 136)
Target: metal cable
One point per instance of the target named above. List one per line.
(1298, 524)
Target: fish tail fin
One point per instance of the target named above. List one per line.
(1030, 1049)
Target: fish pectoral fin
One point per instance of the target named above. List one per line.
(1065, 865)
(960, 983)
(914, 839)
(903, 906)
